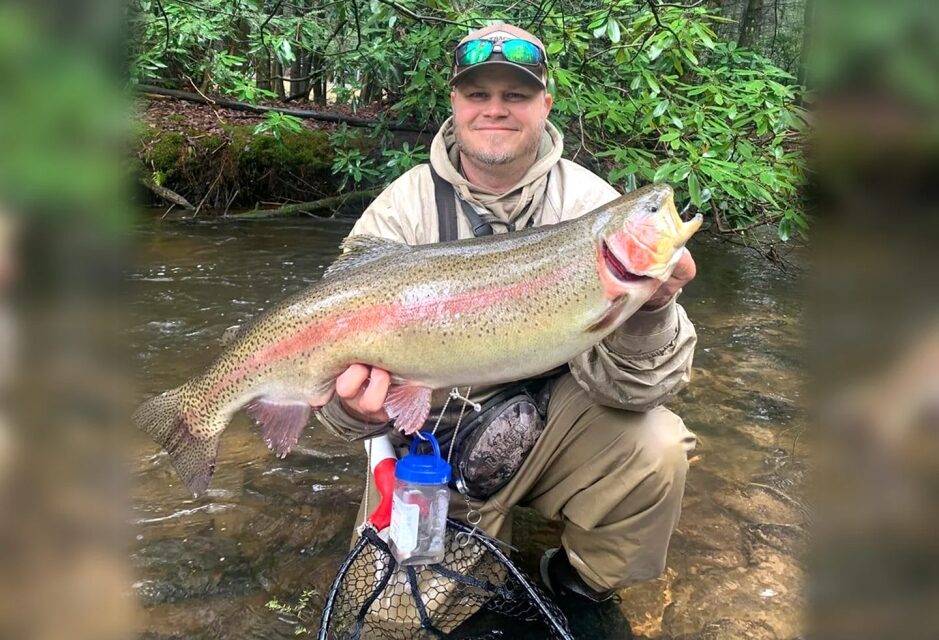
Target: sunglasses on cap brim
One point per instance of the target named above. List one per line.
(515, 50)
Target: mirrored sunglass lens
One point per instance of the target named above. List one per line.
(522, 52)
(474, 52)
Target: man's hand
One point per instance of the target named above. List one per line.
(684, 273)
(362, 390)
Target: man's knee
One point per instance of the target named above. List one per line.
(658, 441)
(622, 535)
(667, 439)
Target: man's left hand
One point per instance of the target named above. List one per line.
(684, 273)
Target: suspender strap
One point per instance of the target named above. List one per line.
(445, 198)
(480, 226)
(447, 223)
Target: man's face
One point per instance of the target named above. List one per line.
(498, 116)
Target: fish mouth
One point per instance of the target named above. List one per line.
(617, 269)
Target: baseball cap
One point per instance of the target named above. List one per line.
(498, 33)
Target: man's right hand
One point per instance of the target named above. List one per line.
(362, 390)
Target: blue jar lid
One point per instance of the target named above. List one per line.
(423, 468)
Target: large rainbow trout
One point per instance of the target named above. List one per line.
(483, 311)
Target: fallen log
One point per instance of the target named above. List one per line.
(297, 113)
(167, 194)
(328, 205)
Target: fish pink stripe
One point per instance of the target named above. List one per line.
(388, 316)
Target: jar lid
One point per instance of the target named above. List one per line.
(423, 468)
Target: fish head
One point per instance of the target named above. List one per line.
(641, 239)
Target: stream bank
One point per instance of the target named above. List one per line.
(218, 160)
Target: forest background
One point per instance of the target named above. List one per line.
(706, 96)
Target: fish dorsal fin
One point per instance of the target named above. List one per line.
(231, 334)
(359, 250)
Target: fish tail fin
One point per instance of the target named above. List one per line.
(191, 451)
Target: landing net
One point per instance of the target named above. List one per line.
(373, 597)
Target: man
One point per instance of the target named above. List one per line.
(610, 462)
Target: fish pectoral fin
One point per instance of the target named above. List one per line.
(281, 422)
(605, 323)
(409, 406)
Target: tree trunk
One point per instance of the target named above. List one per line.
(262, 70)
(303, 86)
(289, 10)
(279, 84)
(365, 96)
(808, 33)
(319, 83)
(750, 23)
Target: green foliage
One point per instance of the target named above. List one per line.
(641, 95)
(352, 163)
(277, 124)
(357, 165)
(301, 611)
(398, 161)
(354, 168)
(674, 104)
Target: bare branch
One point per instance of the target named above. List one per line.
(414, 16)
(206, 9)
(264, 24)
(682, 6)
(643, 44)
(244, 106)
(616, 48)
(658, 21)
(207, 98)
(329, 205)
(165, 193)
(166, 19)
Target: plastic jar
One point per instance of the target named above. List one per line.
(419, 507)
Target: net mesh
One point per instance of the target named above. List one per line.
(373, 597)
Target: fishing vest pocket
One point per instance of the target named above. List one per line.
(495, 443)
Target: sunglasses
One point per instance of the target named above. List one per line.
(517, 51)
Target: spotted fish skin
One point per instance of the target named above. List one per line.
(483, 311)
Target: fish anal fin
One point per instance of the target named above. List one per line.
(409, 406)
(281, 422)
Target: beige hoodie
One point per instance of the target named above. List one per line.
(641, 365)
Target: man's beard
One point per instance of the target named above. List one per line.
(497, 158)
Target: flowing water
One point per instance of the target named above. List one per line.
(271, 528)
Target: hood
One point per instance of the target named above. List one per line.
(519, 202)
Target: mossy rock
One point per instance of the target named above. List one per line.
(307, 151)
(239, 167)
(161, 151)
